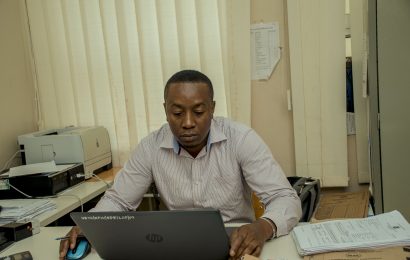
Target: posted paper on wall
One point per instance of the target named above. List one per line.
(265, 49)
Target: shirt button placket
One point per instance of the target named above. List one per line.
(195, 183)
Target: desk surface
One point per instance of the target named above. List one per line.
(69, 199)
(44, 246)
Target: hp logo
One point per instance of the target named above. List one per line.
(154, 238)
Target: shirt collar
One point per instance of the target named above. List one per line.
(215, 135)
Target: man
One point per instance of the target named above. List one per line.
(198, 161)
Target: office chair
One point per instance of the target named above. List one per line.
(308, 190)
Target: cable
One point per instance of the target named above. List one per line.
(53, 196)
(32, 197)
(19, 191)
(48, 197)
(34, 66)
(9, 160)
(75, 196)
(98, 178)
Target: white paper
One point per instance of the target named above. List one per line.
(33, 168)
(382, 230)
(265, 49)
(23, 209)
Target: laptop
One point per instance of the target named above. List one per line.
(176, 234)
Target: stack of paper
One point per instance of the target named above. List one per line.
(33, 168)
(388, 229)
(23, 209)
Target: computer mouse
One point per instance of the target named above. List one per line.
(81, 249)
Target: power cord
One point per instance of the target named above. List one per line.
(75, 196)
(10, 160)
(48, 197)
(19, 191)
(98, 178)
(54, 196)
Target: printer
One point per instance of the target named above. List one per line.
(87, 145)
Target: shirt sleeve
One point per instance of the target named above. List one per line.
(130, 183)
(267, 179)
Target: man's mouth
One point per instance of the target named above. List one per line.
(188, 137)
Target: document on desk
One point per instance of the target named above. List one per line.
(387, 229)
(23, 209)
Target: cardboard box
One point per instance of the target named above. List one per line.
(342, 205)
(379, 254)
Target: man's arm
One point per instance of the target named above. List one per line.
(128, 189)
(266, 178)
(130, 184)
(249, 239)
(282, 205)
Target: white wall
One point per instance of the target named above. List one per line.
(16, 84)
(270, 115)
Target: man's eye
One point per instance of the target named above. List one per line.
(199, 112)
(177, 113)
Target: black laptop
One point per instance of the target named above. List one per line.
(188, 234)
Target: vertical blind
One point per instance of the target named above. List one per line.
(105, 62)
(358, 16)
(317, 55)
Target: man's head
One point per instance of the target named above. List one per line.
(189, 108)
(189, 76)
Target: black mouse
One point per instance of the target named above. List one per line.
(81, 249)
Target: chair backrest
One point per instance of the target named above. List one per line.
(308, 190)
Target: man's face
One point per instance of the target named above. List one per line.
(189, 110)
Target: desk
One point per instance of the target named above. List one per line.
(69, 199)
(43, 246)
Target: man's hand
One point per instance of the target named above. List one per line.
(249, 239)
(64, 244)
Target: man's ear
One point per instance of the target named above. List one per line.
(213, 108)
(165, 110)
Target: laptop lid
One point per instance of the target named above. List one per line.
(188, 234)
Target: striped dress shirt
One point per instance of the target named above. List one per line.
(234, 163)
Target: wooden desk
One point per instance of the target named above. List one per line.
(44, 246)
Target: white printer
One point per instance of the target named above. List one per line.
(87, 145)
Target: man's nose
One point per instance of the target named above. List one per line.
(189, 121)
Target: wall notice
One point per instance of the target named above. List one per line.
(265, 49)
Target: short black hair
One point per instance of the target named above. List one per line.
(193, 76)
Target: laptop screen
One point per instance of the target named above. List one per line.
(187, 234)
